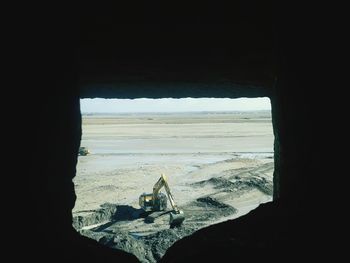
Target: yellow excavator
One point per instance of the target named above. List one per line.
(156, 203)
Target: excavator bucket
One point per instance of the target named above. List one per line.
(176, 219)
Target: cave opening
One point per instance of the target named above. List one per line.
(217, 153)
(256, 51)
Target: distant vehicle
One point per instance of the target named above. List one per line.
(83, 151)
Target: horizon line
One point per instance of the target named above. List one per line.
(207, 111)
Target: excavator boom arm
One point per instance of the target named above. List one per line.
(156, 188)
(170, 196)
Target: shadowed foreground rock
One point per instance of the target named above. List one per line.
(264, 234)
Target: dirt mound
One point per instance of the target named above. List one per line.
(107, 213)
(205, 210)
(158, 243)
(127, 243)
(149, 247)
(261, 183)
(217, 182)
(238, 184)
(92, 217)
(209, 201)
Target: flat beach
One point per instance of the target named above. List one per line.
(219, 166)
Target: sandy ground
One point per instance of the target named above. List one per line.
(219, 167)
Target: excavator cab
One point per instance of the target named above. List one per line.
(157, 202)
(149, 204)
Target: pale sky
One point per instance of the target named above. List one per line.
(99, 105)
